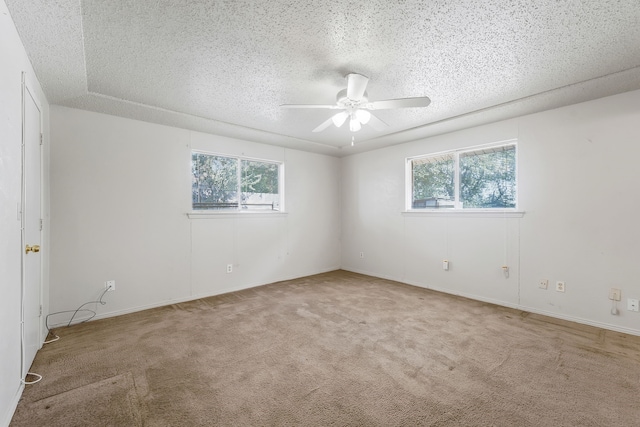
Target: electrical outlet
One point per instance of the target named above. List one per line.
(110, 285)
(615, 294)
(632, 304)
(445, 264)
(361, 254)
(229, 268)
(560, 286)
(543, 284)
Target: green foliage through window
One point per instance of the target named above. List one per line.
(433, 181)
(232, 183)
(475, 179)
(488, 178)
(259, 177)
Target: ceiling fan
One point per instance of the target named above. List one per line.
(355, 106)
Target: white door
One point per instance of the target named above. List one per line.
(31, 232)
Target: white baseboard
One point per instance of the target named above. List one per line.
(12, 406)
(528, 309)
(192, 297)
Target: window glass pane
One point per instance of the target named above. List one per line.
(488, 178)
(433, 182)
(215, 182)
(259, 185)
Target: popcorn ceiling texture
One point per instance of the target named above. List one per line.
(228, 65)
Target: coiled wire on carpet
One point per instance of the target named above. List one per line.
(56, 337)
(75, 312)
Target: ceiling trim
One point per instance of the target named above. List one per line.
(599, 87)
(106, 104)
(623, 81)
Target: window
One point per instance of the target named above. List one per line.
(235, 183)
(478, 178)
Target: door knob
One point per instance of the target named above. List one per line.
(34, 248)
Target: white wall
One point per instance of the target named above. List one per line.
(120, 193)
(578, 177)
(14, 61)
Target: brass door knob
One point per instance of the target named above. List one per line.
(34, 248)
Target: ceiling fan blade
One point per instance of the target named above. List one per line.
(324, 125)
(421, 101)
(325, 106)
(356, 85)
(339, 119)
(377, 124)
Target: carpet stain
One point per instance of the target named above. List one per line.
(112, 401)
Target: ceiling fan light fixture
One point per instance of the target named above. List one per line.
(354, 105)
(363, 116)
(354, 125)
(339, 119)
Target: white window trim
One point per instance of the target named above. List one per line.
(457, 210)
(478, 213)
(235, 214)
(203, 213)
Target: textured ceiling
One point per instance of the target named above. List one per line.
(224, 67)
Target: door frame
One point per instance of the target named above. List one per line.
(28, 91)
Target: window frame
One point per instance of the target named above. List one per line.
(197, 213)
(457, 209)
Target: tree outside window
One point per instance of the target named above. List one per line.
(231, 183)
(482, 178)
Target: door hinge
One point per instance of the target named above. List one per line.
(41, 222)
(41, 139)
(40, 310)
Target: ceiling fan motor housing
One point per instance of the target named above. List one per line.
(344, 101)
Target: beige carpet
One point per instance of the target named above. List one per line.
(336, 349)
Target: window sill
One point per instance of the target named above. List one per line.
(475, 213)
(234, 214)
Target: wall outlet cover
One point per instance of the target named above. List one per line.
(632, 304)
(615, 294)
(560, 286)
(543, 284)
